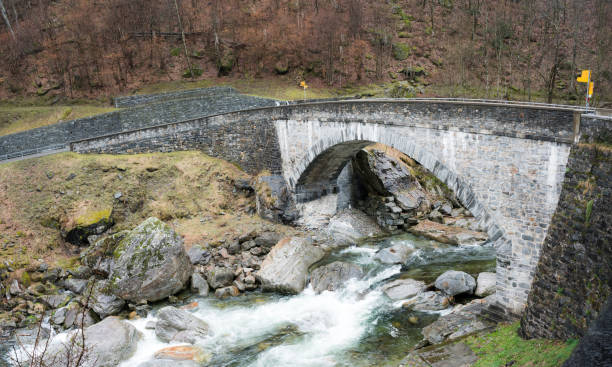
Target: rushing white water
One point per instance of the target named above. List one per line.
(327, 324)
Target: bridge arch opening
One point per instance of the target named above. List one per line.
(323, 165)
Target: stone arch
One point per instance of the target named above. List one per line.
(315, 175)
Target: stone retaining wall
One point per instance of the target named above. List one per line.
(140, 99)
(130, 119)
(573, 277)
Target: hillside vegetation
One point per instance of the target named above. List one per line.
(497, 49)
(43, 197)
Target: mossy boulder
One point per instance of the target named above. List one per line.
(150, 263)
(91, 222)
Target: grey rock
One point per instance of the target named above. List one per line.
(199, 284)
(59, 316)
(107, 343)
(462, 320)
(75, 285)
(233, 248)
(198, 256)
(247, 245)
(103, 302)
(267, 239)
(486, 284)
(454, 282)
(219, 277)
(333, 276)
(427, 301)
(151, 263)
(274, 200)
(15, 288)
(436, 216)
(176, 325)
(56, 300)
(350, 225)
(396, 254)
(403, 288)
(446, 209)
(285, 268)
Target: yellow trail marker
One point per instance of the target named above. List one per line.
(584, 77)
(303, 85)
(591, 84)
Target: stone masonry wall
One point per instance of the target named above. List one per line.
(140, 99)
(573, 277)
(217, 101)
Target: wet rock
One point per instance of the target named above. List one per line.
(175, 325)
(333, 276)
(274, 200)
(427, 301)
(198, 256)
(285, 268)
(403, 288)
(485, 284)
(150, 263)
(199, 285)
(231, 291)
(396, 254)
(349, 225)
(462, 320)
(454, 282)
(107, 343)
(103, 302)
(183, 353)
(219, 277)
(448, 234)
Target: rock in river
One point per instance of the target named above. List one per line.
(454, 282)
(107, 344)
(403, 288)
(427, 301)
(178, 325)
(349, 225)
(150, 263)
(285, 268)
(332, 276)
(396, 254)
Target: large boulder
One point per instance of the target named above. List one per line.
(384, 175)
(107, 343)
(176, 325)
(274, 200)
(453, 282)
(285, 268)
(403, 288)
(395, 254)
(332, 276)
(150, 263)
(99, 256)
(350, 225)
(427, 301)
(485, 284)
(199, 285)
(103, 302)
(451, 235)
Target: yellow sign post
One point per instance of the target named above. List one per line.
(304, 85)
(585, 77)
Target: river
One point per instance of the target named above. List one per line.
(355, 326)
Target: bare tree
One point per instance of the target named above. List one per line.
(6, 19)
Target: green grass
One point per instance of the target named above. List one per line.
(14, 119)
(504, 346)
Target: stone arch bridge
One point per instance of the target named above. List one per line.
(506, 162)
